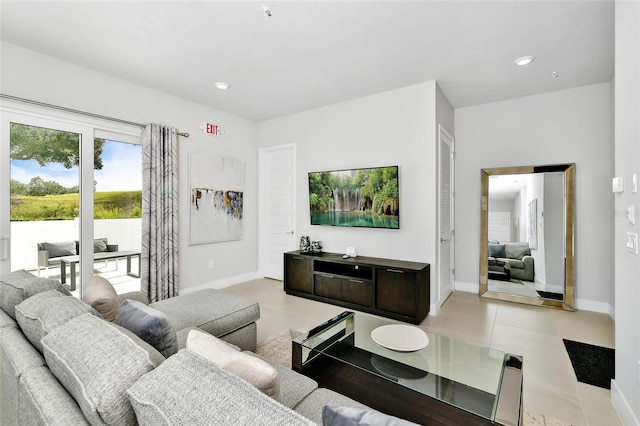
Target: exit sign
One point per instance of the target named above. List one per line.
(211, 129)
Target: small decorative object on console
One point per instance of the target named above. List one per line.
(305, 245)
(316, 246)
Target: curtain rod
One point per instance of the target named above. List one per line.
(75, 111)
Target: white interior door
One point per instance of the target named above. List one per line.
(446, 225)
(278, 211)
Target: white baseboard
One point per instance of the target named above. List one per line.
(622, 406)
(225, 282)
(468, 287)
(581, 304)
(593, 306)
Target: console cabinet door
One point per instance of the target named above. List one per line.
(396, 291)
(357, 291)
(298, 274)
(328, 286)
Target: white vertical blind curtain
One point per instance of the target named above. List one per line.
(159, 255)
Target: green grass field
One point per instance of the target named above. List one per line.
(107, 205)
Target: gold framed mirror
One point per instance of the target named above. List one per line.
(527, 235)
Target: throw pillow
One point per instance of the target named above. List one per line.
(66, 248)
(102, 297)
(497, 250)
(18, 286)
(347, 416)
(99, 245)
(44, 312)
(96, 363)
(149, 324)
(253, 370)
(188, 389)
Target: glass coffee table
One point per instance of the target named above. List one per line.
(445, 382)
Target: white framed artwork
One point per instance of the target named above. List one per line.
(217, 192)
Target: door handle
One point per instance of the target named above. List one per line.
(289, 232)
(442, 240)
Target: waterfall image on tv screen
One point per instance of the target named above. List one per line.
(366, 198)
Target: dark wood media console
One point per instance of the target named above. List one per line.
(390, 288)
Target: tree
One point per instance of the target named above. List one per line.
(50, 146)
(18, 188)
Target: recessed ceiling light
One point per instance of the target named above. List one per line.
(222, 85)
(525, 60)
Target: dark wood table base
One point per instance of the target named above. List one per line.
(385, 396)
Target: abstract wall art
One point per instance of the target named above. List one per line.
(217, 191)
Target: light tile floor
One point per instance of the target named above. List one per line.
(536, 333)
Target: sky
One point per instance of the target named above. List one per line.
(121, 169)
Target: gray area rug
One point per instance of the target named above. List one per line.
(278, 349)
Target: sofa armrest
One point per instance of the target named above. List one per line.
(112, 247)
(134, 295)
(43, 258)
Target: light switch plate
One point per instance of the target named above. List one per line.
(634, 183)
(632, 242)
(617, 184)
(631, 214)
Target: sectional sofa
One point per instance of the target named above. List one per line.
(516, 256)
(63, 363)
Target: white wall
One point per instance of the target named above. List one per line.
(625, 389)
(391, 128)
(569, 126)
(30, 75)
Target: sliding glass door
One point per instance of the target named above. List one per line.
(60, 181)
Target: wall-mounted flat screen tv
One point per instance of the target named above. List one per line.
(367, 198)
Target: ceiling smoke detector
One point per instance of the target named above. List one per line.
(222, 85)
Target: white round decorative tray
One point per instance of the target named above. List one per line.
(400, 337)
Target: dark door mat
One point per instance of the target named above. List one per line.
(593, 365)
(550, 295)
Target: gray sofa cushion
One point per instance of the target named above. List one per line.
(517, 250)
(97, 363)
(18, 286)
(187, 388)
(17, 356)
(294, 387)
(45, 311)
(348, 416)
(150, 325)
(6, 320)
(43, 401)
(213, 311)
(64, 248)
(99, 245)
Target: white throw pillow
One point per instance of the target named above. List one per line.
(253, 370)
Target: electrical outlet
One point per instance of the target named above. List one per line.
(617, 184)
(632, 242)
(210, 264)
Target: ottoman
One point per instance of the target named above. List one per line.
(231, 318)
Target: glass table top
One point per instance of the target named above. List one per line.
(464, 375)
